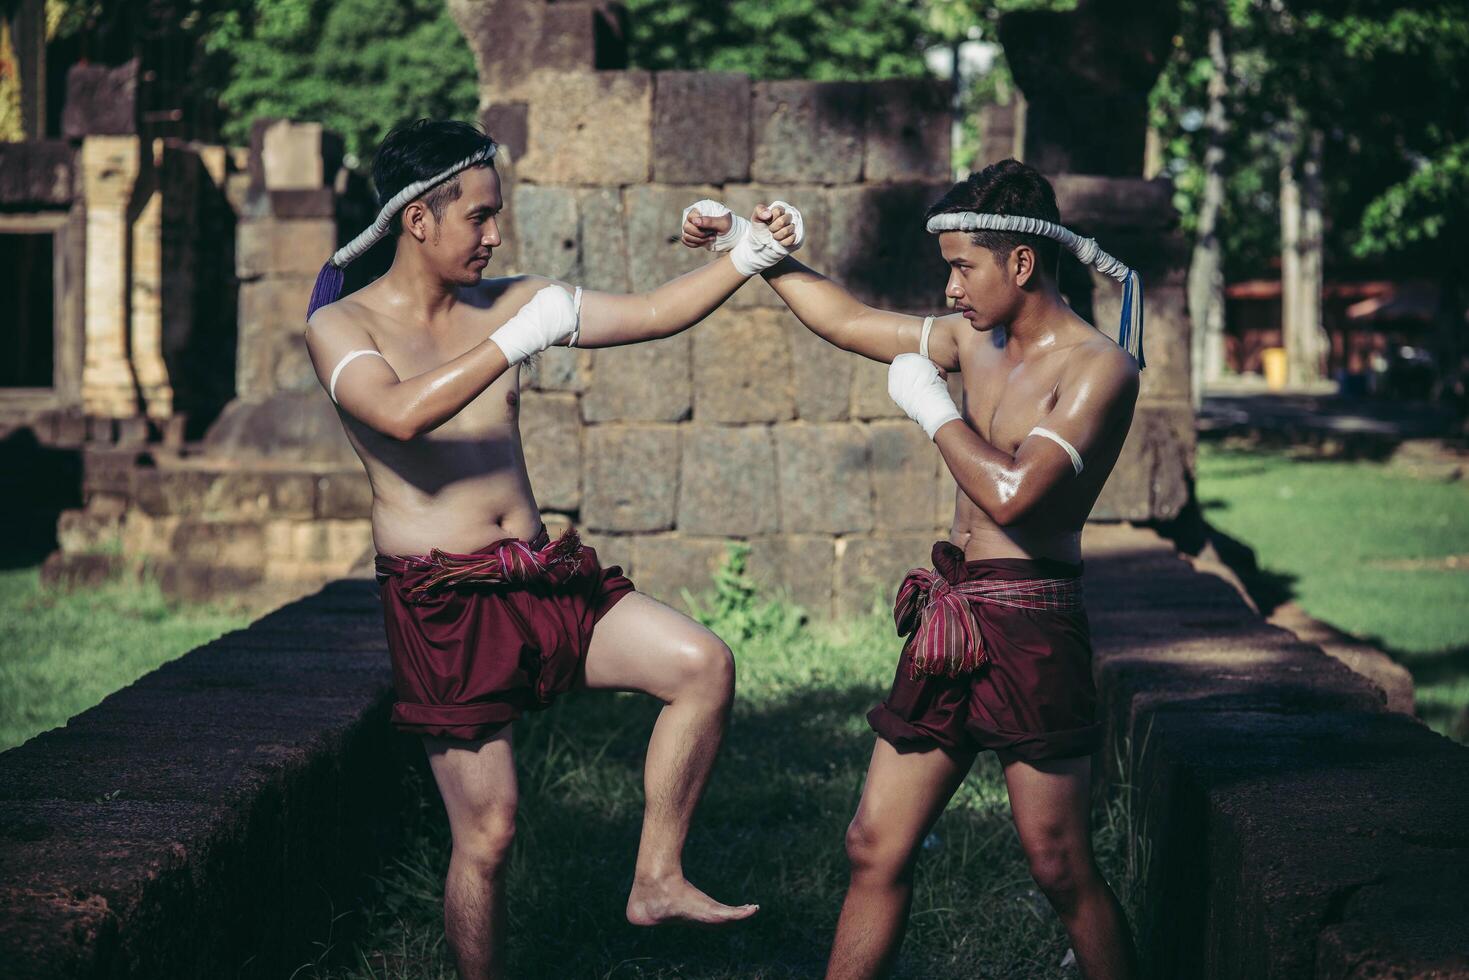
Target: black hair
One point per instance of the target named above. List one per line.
(422, 149)
(1007, 187)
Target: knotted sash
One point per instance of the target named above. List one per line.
(509, 562)
(946, 635)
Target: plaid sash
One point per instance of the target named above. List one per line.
(510, 562)
(946, 637)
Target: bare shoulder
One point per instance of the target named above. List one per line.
(1101, 368)
(342, 322)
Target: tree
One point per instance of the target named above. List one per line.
(359, 67)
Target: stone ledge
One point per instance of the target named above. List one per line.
(202, 821)
(1295, 827)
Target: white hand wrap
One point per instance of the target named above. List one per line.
(549, 318)
(914, 383)
(713, 209)
(759, 250)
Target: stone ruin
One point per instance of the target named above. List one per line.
(745, 427)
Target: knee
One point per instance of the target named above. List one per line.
(872, 854)
(705, 665)
(1059, 872)
(485, 844)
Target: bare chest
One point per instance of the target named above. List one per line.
(1003, 403)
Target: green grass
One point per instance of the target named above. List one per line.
(770, 830)
(1363, 546)
(63, 651)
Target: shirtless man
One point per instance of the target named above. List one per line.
(485, 617)
(1000, 657)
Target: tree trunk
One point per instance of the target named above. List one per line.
(1301, 195)
(1206, 270)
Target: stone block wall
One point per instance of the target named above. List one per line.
(748, 426)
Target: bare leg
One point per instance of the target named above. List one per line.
(1051, 802)
(902, 799)
(477, 781)
(643, 645)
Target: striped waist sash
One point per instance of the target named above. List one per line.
(946, 638)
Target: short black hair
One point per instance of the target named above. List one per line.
(419, 150)
(1007, 187)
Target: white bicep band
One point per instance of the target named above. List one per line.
(575, 317)
(923, 340)
(347, 358)
(1070, 449)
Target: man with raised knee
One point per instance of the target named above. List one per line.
(486, 617)
(998, 656)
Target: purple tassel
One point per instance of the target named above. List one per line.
(328, 288)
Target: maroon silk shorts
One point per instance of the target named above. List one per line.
(1034, 699)
(470, 659)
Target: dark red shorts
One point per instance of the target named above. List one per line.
(469, 660)
(1035, 698)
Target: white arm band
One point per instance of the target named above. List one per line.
(1070, 449)
(347, 358)
(923, 340)
(575, 317)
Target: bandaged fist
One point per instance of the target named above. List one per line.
(548, 319)
(771, 233)
(915, 384)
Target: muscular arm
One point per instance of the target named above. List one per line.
(370, 390)
(613, 319)
(1008, 488)
(838, 317)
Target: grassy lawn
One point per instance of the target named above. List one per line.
(770, 830)
(1370, 548)
(61, 652)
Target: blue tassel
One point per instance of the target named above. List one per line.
(328, 288)
(1130, 332)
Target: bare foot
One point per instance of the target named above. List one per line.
(654, 902)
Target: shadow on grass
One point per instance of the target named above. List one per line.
(770, 830)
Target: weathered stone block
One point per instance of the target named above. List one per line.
(742, 368)
(648, 381)
(611, 549)
(550, 433)
(588, 127)
(908, 130)
(83, 530)
(814, 204)
(800, 565)
(946, 497)
(728, 482)
(293, 369)
(671, 564)
(220, 543)
(225, 494)
(869, 570)
(655, 254)
(688, 146)
(558, 369)
(879, 249)
(631, 478)
(824, 479)
(822, 374)
(808, 131)
(603, 240)
(100, 100)
(508, 123)
(270, 247)
(1154, 476)
(903, 474)
(870, 391)
(299, 155)
(37, 173)
(1129, 202)
(546, 223)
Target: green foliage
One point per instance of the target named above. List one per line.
(359, 67)
(1426, 209)
(829, 40)
(735, 610)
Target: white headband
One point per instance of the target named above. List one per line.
(1130, 332)
(329, 281)
(352, 251)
